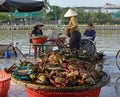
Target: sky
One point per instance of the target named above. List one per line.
(81, 3)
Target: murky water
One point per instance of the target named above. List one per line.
(106, 40)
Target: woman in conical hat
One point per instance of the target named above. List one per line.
(73, 29)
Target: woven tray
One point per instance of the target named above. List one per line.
(102, 82)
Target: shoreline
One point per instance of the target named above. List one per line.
(56, 27)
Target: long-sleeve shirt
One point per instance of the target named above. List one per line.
(90, 33)
(72, 26)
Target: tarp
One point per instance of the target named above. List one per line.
(35, 15)
(116, 15)
(21, 5)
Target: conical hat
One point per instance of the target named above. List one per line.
(70, 13)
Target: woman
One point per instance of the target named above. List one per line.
(90, 32)
(37, 30)
(73, 29)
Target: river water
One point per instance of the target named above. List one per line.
(106, 40)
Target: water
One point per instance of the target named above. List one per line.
(106, 40)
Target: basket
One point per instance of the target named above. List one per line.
(61, 39)
(38, 40)
(4, 83)
(36, 90)
(39, 93)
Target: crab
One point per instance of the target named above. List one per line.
(55, 59)
(58, 78)
(85, 77)
(41, 79)
(73, 72)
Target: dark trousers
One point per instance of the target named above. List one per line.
(75, 40)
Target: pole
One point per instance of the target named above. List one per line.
(11, 30)
(55, 16)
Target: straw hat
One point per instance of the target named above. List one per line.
(39, 24)
(70, 13)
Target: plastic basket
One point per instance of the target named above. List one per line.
(38, 40)
(41, 93)
(4, 83)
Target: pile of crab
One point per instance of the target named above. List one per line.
(57, 68)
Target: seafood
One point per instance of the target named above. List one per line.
(41, 79)
(55, 59)
(59, 68)
(58, 78)
(33, 76)
(73, 72)
(90, 80)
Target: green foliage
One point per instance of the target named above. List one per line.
(54, 13)
(4, 17)
(95, 17)
(62, 18)
(57, 13)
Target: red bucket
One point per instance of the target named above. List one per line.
(41, 93)
(38, 40)
(4, 83)
(61, 39)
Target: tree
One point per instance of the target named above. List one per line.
(54, 13)
(81, 16)
(45, 9)
(4, 17)
(62, 18)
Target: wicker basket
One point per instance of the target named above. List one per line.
(4, 83)
(39, 93)
(36, 90)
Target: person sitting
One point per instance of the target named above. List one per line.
(37, 31)
(90, 32)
